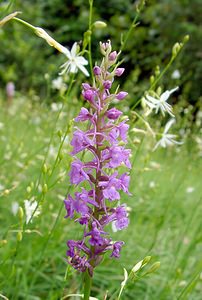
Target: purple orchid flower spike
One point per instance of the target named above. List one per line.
(95, 206)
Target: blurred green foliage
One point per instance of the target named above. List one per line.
(25, 59)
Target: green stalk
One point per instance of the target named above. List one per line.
(162, 73)
(87, 286)
(90, 30)
(133, 25)
(25, 23)
(156, 80)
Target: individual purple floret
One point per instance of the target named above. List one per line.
(99, 183)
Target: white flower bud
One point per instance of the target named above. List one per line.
(99, 25)
(53, 43)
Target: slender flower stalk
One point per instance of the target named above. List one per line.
(74, 62)
(94, 206)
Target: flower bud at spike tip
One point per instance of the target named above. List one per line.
(100, 24)
(113, 56)
(105, 48)
(119, 71)
(121, 95)
(97, 70)
(20, 213)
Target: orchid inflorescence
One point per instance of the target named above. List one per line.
(103, 148)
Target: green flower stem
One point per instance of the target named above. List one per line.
(87, 286)
(90, 31)
(133, 25)
(162, 73)
(25, 23)
(156, 80)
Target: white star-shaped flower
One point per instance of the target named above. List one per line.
(161, 103)
(31, 209)
(167, 138)
(74, 62)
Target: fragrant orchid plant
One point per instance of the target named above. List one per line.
(100, 159)
(96, 205)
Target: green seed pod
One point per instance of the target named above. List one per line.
(185, 39)
(146, 260)
(44, 169)
(176, 49)
(159, 91)
(29, 189)
(87, 36)
(45, 188)
(6, 192)
(157, 71)
(20, 213)
(153, 268)
(61, 155)
(19, 236)
(59, 133)
(152, 79)
(32, 184)
(3, 243)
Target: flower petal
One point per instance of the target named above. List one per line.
(74, 50)
(83, 69)
(81, 60)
